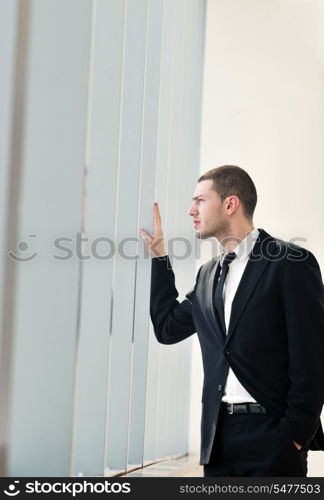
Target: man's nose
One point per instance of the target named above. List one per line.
(192, 210)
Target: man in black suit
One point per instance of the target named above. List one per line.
(258, 311)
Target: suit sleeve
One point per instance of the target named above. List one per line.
(171, 319)
(304, 311)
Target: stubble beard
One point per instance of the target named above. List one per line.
(219, 231)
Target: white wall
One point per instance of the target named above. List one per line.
(263, 110)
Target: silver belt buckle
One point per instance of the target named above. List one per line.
(231, 409)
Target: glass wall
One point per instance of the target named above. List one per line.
(101, 104)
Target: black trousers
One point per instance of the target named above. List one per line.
(252, 445)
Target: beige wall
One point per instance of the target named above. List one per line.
(264, 110)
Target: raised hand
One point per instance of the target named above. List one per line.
(155, 243)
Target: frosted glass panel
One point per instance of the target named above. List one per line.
(100, 107)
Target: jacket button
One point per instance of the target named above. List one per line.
(228, 352)
(219, 387)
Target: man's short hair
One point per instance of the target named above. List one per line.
(231, 180)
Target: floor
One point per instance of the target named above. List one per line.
(188, 466)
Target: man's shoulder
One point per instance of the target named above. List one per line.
(291, 250)
(279, 249)
(206, 269)
(210, 264)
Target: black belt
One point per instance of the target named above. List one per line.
(231, 408)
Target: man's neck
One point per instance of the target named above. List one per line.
(234, 238)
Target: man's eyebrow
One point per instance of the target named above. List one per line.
(198, 196)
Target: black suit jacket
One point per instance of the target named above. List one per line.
(275, 339)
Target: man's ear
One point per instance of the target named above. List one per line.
(232, 204)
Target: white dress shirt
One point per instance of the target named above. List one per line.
(234, 391)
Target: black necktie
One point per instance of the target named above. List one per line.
(218, 297)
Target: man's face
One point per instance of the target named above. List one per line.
(208, 211)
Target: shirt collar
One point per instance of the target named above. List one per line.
(245, 247)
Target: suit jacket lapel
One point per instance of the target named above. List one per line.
(257, 263)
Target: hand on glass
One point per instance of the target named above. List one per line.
(155, 243)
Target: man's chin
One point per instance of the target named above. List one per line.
(202, 236)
